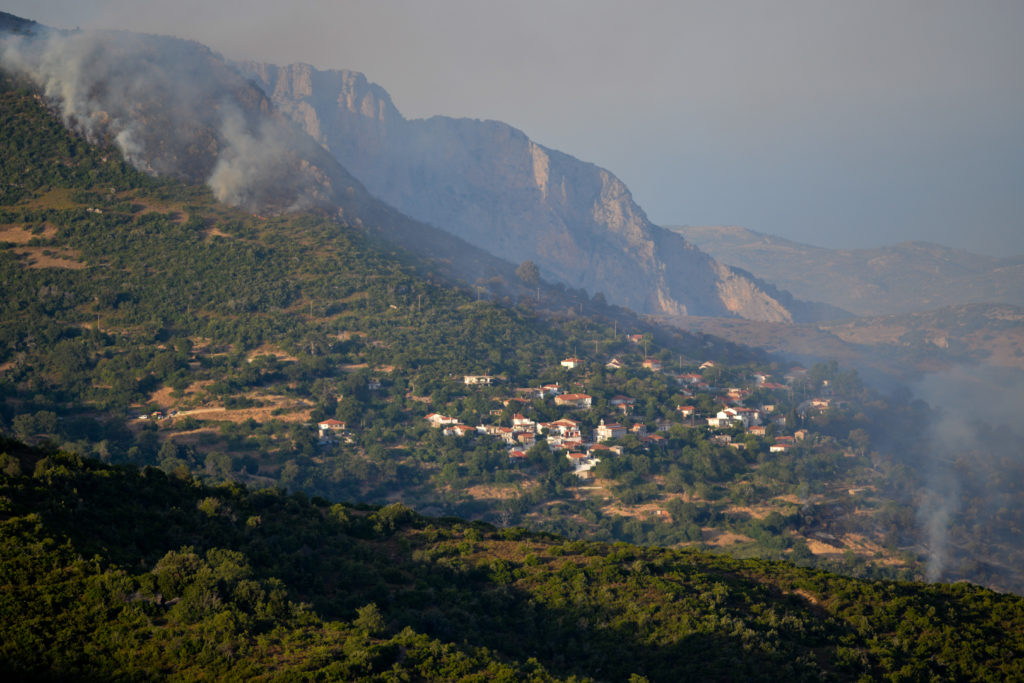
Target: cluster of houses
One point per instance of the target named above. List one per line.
(563, 433)
(585, 451)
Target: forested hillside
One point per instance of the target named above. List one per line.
(113, 573)
(144, 323)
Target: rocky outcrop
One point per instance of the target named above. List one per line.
(489, 184)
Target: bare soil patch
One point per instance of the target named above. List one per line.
(54, 199)
(719, 538)
(352, 367)
(215, 232)
(268, 350)
(280, 408)
(51, 257)
(645, 511)
(17, 234)
(492, 492)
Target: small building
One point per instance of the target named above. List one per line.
(438, 420)
(614, 364)
(521, 423)
(608, 431)
(652, 364)
(330, 425)
(572, 363)
(526, 439)
(478, 380)
(551, 390)
(582, 463)
(597, 449)
(573, 400)
(563, 427)
(458, 430)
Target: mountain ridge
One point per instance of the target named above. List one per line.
(176, 108)
(488, 183)
(899, 278)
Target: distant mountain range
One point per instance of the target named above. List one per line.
(907, 277)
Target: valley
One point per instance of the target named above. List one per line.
(259, 419)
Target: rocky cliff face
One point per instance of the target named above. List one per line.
(489, 184)
(281, 139)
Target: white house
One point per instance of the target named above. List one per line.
(582, 463)
(606, 432)
(331, 425)
(438, 420)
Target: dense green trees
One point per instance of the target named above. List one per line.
(113, 573)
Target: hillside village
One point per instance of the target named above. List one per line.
(584, 448)
(312, 362)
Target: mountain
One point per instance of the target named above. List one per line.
(902, 278)
(144, 322)
(890, 349)
(175, 108)
(488, 183)
(974, 333)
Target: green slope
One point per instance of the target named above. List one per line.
(125, 294)
(116, 573)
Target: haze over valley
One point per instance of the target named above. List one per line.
(326, 389)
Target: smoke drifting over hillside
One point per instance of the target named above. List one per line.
(974, 466)
(173, 108)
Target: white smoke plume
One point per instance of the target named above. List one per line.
(174, 108)
(974, 455)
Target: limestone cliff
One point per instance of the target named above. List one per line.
(489, 184)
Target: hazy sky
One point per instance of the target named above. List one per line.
(847, 124)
